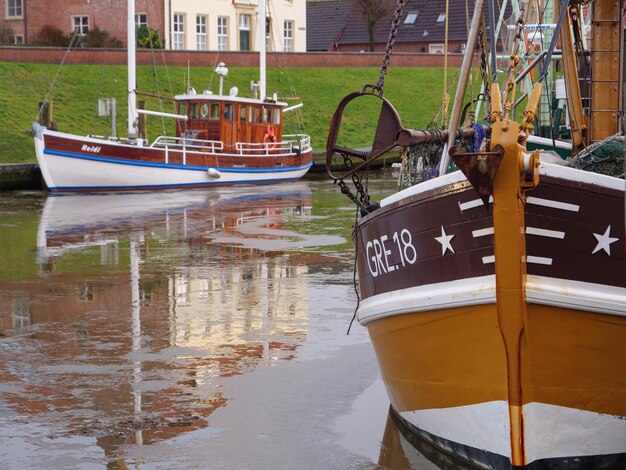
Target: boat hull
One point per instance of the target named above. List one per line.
(73, 163)
(430, 301)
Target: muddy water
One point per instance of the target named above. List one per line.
(186, 329)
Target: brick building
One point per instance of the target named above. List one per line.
(26, 18)
(225, 25)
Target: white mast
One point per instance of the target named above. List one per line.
(132, 84)
(262, 47)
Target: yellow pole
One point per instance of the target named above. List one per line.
(510, 257)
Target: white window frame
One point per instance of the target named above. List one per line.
(141, 19)
(83, 24)
(222, 33)
(18, 39)
(201, 32)
(244, 26)
(288, 36)
(436, 48)
(15, 5)
(178, 31)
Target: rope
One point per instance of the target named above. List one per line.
(446, 97)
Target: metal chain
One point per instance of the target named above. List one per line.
(390, 42)
(363, 199)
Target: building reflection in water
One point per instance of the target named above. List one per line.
(144, 302)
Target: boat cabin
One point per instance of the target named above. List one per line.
(229, 119)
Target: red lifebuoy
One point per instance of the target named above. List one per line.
(270, 138)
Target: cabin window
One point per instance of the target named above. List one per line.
(228, 112)
(267, 115)
(256, 114)
(242, 114)
(204, 110)
(215, 111)
(193, 110)
(276, 117)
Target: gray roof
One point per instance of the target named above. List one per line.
(343, 21)
(325, 20)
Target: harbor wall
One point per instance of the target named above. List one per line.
(53, 55)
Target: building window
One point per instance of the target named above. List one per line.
(201, 32)
(288, 36)
(222, 33)
(244, 32)
(141, 20)
(14, 8)
(411, 17)
(435, 48)
(18, 39)
(179, 32)
(80, 25)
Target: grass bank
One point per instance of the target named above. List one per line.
(74, 90)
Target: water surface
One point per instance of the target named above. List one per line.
(186, 329)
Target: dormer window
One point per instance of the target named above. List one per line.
(411, 17)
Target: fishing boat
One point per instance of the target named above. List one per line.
(495, 295)
(219, 139)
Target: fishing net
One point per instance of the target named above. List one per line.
(605, 157)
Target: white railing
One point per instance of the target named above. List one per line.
(291, 144)
(178, 143)
(301, 140)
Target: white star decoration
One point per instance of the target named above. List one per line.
(604, 241)
(445, 241)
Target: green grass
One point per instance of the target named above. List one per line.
(74, 90)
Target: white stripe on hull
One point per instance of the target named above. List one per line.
(563, 293)
(66, 172)
(483, 426)
(549, 431)
(554, 431)
(443, 295)
(557, 171)
(576, 295)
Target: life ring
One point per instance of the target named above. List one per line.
(270, 139)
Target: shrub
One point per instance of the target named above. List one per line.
(6, 35)
(97, 37)
(51, 36)
(148, 38)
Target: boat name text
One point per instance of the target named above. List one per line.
(91, 148)
(378, 255)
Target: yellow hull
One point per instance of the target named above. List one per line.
(452, 364)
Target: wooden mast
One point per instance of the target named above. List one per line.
(606, 69)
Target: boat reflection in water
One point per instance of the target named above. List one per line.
(139, 310)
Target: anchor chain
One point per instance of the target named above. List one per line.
(390, 42)
(362, 198)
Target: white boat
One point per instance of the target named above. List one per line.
(220, 139)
